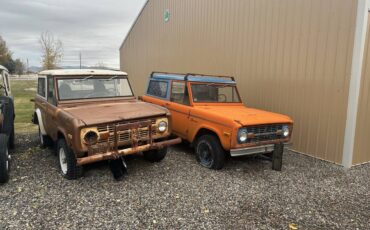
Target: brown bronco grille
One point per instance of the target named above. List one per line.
(262, 133)
(110, 127)
(125, 136)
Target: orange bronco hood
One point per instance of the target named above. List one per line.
(246, 116)
(100, 113)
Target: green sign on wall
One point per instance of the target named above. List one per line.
(166, 15)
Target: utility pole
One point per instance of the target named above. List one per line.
(28, 67)
(80, 60)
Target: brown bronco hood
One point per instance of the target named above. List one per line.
(100, 113)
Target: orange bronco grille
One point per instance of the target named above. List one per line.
(265, 133)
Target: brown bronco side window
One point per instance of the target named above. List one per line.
(51, 95)
(41, 87)
(179, 93)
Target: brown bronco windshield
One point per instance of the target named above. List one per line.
(93, 87)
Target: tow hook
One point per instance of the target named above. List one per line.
(118, 168)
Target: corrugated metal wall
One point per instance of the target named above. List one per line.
(362, 143)
(288, 56)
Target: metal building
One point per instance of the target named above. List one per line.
(308, 59)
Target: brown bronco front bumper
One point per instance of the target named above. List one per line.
(115, 154)
(113, 151)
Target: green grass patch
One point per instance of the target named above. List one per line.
(23, 91)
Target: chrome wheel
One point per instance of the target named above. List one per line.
(63, 161)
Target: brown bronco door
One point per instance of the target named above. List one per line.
(41, 98)
(50, 109)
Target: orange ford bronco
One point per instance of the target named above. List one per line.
(208, 112)
(93, 116)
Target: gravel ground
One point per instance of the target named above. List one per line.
(178, 193)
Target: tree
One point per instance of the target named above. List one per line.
(19, 67)
(52, 49)
(6, 56)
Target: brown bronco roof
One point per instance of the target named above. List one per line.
(82, 72)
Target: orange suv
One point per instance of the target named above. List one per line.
(208, 112)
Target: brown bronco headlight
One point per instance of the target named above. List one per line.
(162, 126)
(91, 138)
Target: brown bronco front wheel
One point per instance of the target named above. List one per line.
(67, 161)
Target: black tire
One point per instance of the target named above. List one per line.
(12, 139)
(8, 111)
(69, 170)
(209, 152)
(45, 140)
(4, 159)
(155, 155)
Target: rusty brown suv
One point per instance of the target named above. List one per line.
(92, 115)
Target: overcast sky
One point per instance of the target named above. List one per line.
(94, 27)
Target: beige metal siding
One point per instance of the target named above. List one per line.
(362, 143)
(288, 56)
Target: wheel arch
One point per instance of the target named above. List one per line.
(39, 121)
(208, 130)
(61, 135)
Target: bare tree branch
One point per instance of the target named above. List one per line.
(52, 49)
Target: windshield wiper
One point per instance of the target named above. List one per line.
(86, 78)
(109, 79)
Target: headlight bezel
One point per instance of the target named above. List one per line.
(90, 131)
(91, 137)
(162, 126)
(285, 131)
(242, 137)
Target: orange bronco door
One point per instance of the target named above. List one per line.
(179, 107)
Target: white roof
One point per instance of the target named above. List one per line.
(81, 72)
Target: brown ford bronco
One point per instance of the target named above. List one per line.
(93, 116)
(6, 124)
